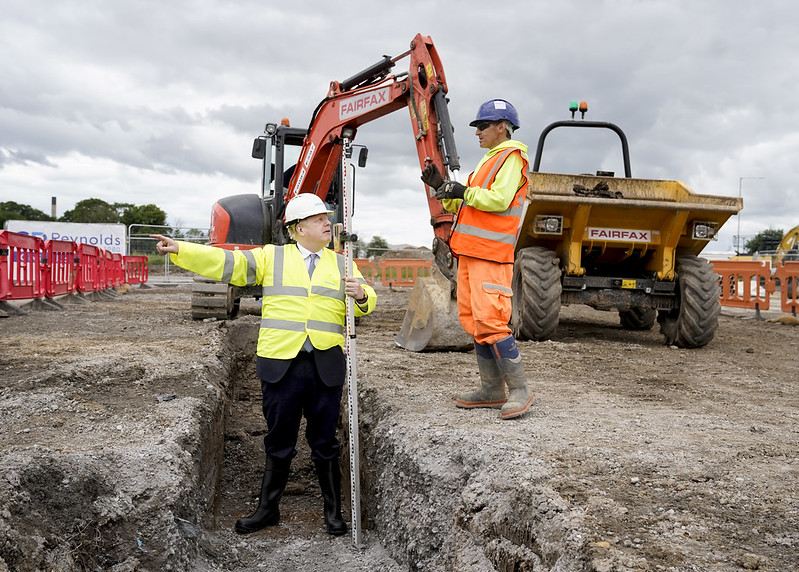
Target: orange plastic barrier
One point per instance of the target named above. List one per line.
(136, 269)
(788, 275)
(21, 266)
(745, 283)
(61, 267)
(367, 269)
(402, 271)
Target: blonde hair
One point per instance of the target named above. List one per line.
(292, 230)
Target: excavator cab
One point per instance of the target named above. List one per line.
(279, 150)
(240, 222)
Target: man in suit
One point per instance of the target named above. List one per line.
(299, 355)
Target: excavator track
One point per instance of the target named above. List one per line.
(213, 299)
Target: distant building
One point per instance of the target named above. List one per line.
(408, 251)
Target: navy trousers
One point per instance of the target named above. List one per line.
(299, 393)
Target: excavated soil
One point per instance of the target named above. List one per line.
(131, 439)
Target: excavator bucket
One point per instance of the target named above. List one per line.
(431, 320)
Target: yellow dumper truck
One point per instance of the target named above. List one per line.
(619, 244)
(613, 243)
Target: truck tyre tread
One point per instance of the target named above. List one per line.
(536, 294)
(694, 324)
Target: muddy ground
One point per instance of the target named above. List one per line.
(131, 440)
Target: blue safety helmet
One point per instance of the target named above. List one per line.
(496, 110)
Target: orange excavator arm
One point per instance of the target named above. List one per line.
(373, 93)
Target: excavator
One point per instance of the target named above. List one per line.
(788, 249)
(616, 244)
(297, 160)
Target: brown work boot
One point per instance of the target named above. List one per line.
(492, 389)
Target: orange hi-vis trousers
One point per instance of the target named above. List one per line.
(484, 298)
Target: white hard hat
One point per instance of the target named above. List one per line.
(305, 205)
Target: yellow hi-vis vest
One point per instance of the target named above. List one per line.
(491, 235)
(293, 308)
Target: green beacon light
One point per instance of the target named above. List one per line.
(573, 107)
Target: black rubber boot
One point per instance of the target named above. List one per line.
(276, 476)
(329, 475)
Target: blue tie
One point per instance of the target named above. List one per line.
(312, 263)
(308, 346)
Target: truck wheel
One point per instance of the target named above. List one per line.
(638, 318)
(213, 299)
(694, 324)
(536, 294)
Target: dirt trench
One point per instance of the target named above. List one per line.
(636, 456)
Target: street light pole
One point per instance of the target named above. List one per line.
(738, 237)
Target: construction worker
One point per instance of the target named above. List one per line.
(299, 355)
(489, 210)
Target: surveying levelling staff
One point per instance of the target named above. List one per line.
(489, 210)
(299, 355)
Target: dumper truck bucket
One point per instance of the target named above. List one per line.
(431, 320)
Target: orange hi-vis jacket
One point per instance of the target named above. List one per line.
(485, 234)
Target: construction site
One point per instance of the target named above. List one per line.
(662, 436)
(133, 439)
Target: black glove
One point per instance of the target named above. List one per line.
(432, 177)
(450, 190)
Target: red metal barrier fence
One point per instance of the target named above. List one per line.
(118, 265)
(21, 268)
(31, 269)
(89, 272)
(61, 260)
(136, 269)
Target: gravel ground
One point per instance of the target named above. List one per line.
(132, 441)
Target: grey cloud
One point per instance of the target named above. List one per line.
(179, 89)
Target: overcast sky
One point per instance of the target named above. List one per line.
(158, 102)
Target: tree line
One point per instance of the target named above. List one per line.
(99, 211)
(89, 211)
(764, 241)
